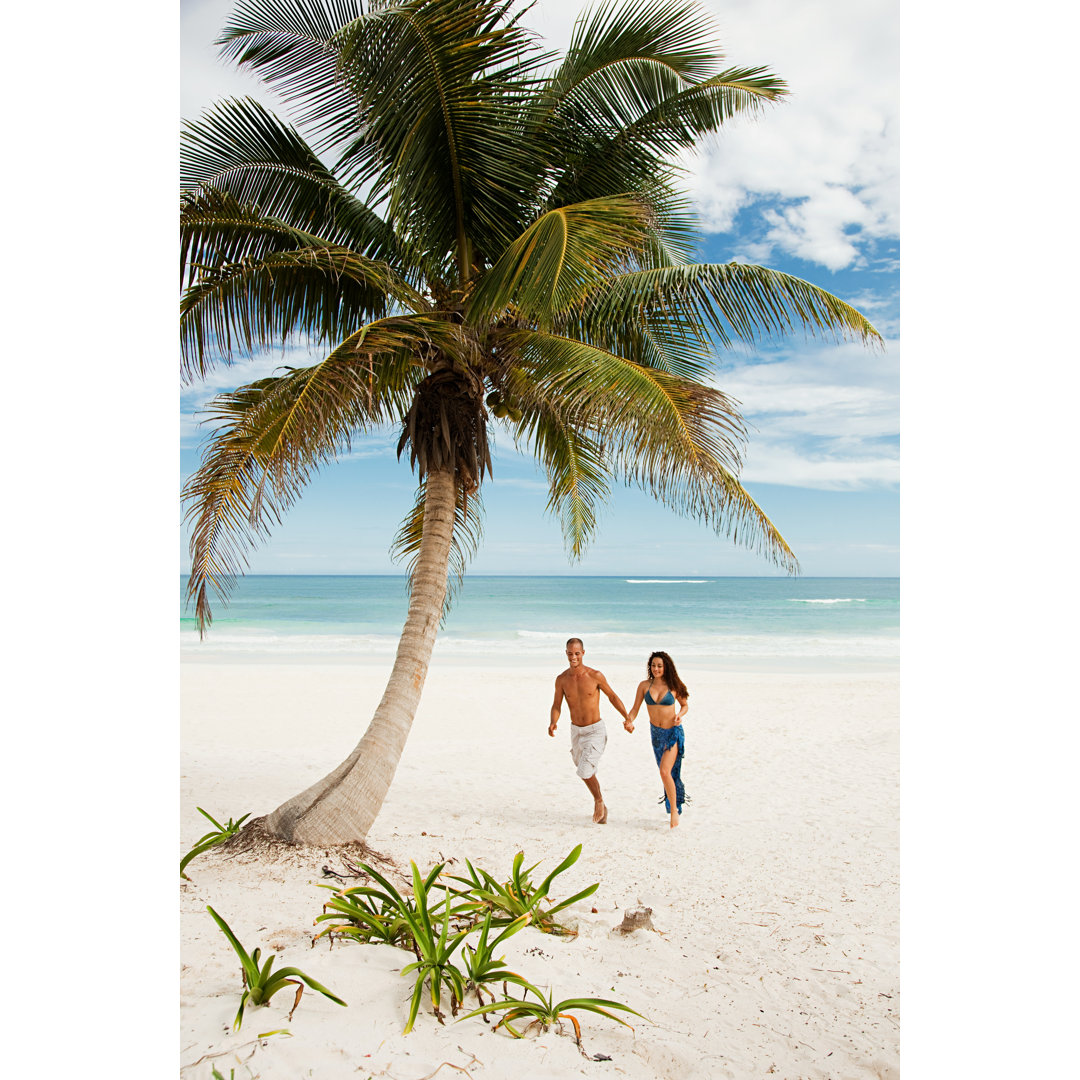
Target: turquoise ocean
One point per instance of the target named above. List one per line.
(730, 623)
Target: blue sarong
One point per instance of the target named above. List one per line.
(663, 739)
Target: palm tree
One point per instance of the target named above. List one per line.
(500, 237)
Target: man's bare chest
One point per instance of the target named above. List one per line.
(581, 690)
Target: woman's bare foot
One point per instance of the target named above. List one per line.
(599, 815)
(674, 819)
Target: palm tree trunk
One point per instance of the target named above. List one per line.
(343, 805)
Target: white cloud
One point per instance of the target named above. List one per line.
(229, 376)
(830, 151)
(820, 416)
(771, 462)
(375, 444)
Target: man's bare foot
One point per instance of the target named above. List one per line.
(599, 814)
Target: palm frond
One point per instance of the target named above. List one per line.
(640, 83)
(440, 102)
(677, 122)
(733, 300)
(624, 152)
(662, 344)
(240, 149)
(467, 535)
(624, 401)
(675, 236)
(322, 292)
(577, 472)
(698, 487)
(676, 439)
(561, 257)
(273, 434)
(294, 47)
(676, 34)
(217, 229)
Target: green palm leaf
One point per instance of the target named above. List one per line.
(441, 122)
(577, 472)
(734, 300)
(274, 433)
(675, 438)
(628, 152)
(561, 257)
(294, 47)
(239, 148)
(673, 35)
(318, 292)
(626, 403)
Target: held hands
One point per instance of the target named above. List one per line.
(629, 725)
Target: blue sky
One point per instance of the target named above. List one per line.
(811, 188)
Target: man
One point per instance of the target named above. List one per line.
(581, 686)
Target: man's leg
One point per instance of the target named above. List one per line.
(599, 809)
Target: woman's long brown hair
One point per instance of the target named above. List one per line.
(671, 676)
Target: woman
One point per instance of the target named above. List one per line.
(666, 695)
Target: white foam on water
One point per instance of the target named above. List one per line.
(666, 581)
(836, 600)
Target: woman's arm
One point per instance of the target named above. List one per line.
(684, 708)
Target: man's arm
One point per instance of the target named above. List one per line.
(613, 698)
(556, 707)
(638, 699)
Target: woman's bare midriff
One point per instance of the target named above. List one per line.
(662, 716)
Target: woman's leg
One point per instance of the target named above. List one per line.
(676, 772)
(666, 762)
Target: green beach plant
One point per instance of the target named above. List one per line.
(433, 942)
(519, 896)
(218, 835)
(364, 915)
(482, 966)
(435, 928)
(473, 233)
(545, 1011)
(262, 983)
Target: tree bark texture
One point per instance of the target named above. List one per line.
(343, 805)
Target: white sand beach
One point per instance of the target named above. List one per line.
(776, 902)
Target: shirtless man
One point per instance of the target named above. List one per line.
(581, 686)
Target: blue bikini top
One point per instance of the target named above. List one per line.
(667, 699)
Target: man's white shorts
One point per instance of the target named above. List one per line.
(586, 745)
